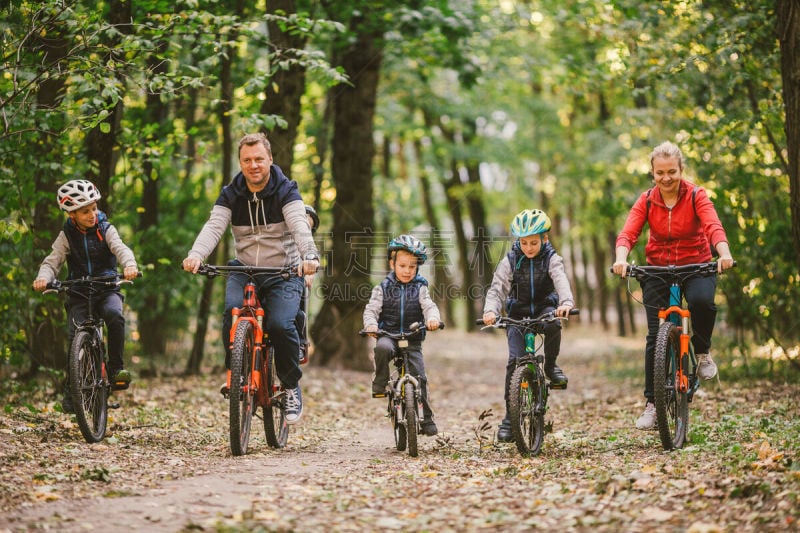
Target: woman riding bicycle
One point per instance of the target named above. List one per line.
(683, 228)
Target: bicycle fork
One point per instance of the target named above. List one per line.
(681, 318)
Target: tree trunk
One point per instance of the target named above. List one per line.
(788, 18)
(441, 280)
(99, 144)
(347, 289)
(286, 87)
(154, 321)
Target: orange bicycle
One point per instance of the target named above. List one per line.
(252, 380)
(675, 378)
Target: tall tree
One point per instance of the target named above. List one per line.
(788, 26)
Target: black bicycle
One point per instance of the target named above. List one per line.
(87, 381)
(405, 395)
(528, 390)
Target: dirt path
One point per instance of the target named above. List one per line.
(167, 466)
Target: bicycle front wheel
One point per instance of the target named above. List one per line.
(275, 427)
(398, 422)
(87, 387)
(241, 391)
(672, 406)
(411, 419)
(527, 418)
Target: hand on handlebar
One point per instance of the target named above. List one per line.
(39, 284)
(432, 325)
(191, 264)
(130, 272)
(620, 268)
(489, 318)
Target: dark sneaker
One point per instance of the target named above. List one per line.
(555, 375)
(121, 380)
(429, 428)
(224, 390)
(66, 404)
(294, 405)
(504, 431)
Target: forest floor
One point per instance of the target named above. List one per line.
(166, 465)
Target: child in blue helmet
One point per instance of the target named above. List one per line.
(401, 299)
(529, 282)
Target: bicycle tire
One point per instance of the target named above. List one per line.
(275, 427)
(672, 406)
(241, 393)
(527, 419)
(87, 386)
(398, 423)
(410, 403)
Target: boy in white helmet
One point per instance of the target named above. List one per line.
(90, 246)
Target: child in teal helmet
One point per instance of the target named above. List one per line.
(401, 299)
(529, 282)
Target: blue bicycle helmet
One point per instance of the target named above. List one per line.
(530, 222)
(411, 245)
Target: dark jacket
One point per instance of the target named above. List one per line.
(532, 289)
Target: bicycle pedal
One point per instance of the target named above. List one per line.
(557, 386)
(120, 385)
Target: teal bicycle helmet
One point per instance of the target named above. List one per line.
(530, 222)
(411, 245)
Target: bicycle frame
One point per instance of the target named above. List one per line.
(404, 411)
(686, 379)
(526, 406)
(256, 382)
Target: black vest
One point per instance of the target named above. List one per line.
(532, 289)
(401, 306)
(89, 254)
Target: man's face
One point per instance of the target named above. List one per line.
(85, 217)
(405, 266)
(531, 245)
(255, 160)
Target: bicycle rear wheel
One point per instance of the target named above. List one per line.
(275, 427)
(672, 406)
(87, 387)
(527, 419)
(411, 419)
(241, 392)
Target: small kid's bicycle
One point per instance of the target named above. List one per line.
(252, 380)
(87, 380)
(528, 390)
(405, 397)
(675, 379)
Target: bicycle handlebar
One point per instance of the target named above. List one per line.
(213, 271)
(504, 321)
(90, 281)
(415, 329)
(641, 272)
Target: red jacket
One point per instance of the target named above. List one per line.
(678, 236)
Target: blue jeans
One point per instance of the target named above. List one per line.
(281, 301)
(699, 295)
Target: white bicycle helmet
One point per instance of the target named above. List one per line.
(77, 193)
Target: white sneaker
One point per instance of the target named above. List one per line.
(706, 368)
(294, 405)
(648, 418)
